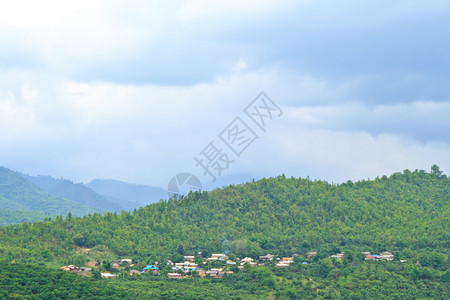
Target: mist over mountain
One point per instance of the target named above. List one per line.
(123, 191)
(76, 192)
(347, 226)
(32, 198)
(21, 200)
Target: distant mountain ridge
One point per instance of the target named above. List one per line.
(32, 198)
(133, 193)
(19, 195)
(73, 191)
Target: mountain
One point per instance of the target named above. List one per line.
(126, 193)
(226, 180)
(406, 214)
(280, 215)
(75, 192)
(20, 196)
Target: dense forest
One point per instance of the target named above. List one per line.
(21, 200)
(25, 198)
(406, 213)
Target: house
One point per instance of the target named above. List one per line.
(115, 265)
(133, 272)
(338, 255)
(215, 273)
(247, 260)
(287, 260)
(284, 262)
(189, 258)
(72, 268)
(173, 275)
(150, 267)
(370, 257)
(386, 255)
(230, 262)
(126, 260)
(311, 254)
(186, 266)
(190, 266)
(282, 265)
(84, 269)
(218, 257)
(75, 269)
(108, 275)
(267, 257)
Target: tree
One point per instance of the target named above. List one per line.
(436, 171)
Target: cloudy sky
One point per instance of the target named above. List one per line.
(134, 90)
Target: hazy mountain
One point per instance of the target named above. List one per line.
(130, 193)
(74, 191)
(18, 193)
(406, 214)
(226, 180)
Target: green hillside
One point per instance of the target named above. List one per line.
(16, 216)
(29, 202)
(407, 214)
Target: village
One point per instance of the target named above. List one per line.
(215, 266)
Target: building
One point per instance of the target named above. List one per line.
(338, 255)
(282, 265)
(108, 275)
(215, 273)
(133, 272)
(189, 258)
(386, 255)
(150, 268)
(126, 260)
(267, 257)
(312, 254)
(75, 269)
(218, 257)
(174, 275)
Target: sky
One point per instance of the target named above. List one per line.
(137, 90)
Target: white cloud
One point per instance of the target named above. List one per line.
(133, 90)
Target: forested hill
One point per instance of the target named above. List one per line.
(407, 213)
(21, 200)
